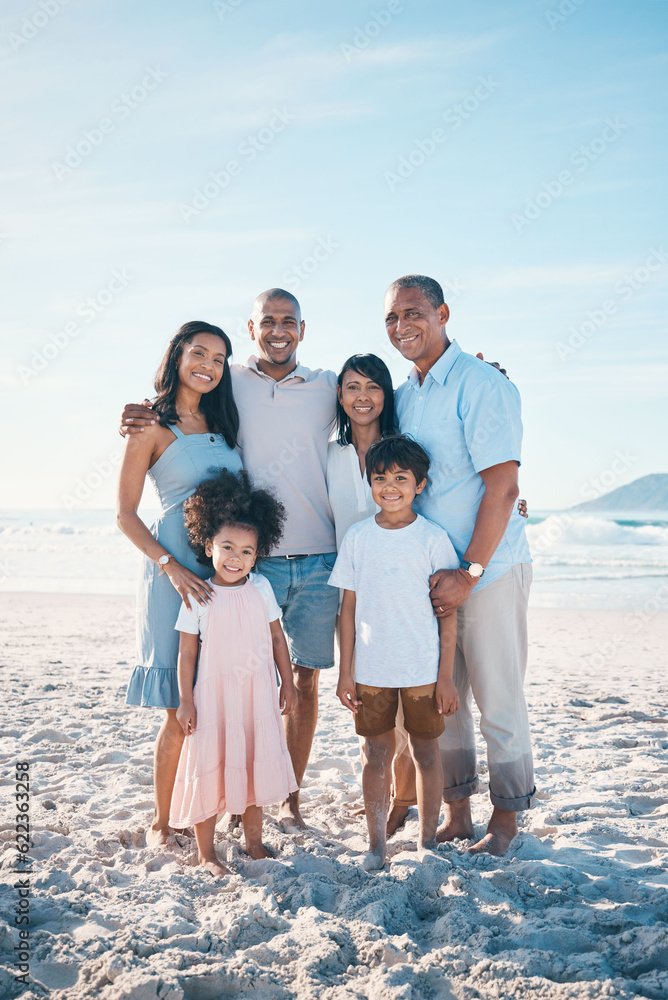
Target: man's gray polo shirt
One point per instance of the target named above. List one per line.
(284, 431)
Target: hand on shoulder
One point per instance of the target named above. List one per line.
(136, 417)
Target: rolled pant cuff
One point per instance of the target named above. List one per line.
(464, 791)
(404, 803)
(513, 805)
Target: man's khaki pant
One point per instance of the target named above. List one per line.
(490, 665)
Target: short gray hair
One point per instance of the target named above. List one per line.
(429, 287)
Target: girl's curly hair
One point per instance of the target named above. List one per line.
(232, 499)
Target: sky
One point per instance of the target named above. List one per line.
(167, 161)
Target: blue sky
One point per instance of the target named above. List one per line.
(514, 151)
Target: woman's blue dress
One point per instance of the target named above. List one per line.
(186, 463)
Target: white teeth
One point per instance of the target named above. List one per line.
(207, 378)
(279, 344)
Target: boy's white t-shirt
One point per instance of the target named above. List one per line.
(396, 633)
(194, 621)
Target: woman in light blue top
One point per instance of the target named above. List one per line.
(192, 438)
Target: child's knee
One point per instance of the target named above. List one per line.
(425, 752)
(379, 750)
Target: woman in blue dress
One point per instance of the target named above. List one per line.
(193, 437)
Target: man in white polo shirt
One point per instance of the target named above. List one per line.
(286, 416)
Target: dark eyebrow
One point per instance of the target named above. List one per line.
(203, 348)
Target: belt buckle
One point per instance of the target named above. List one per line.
(297, 555)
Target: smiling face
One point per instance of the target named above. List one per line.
(415, 326)
(202, 362)
(361, 397)
(394, 489)
(277, 328)
(233, 551)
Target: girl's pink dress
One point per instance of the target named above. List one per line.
(237, 756)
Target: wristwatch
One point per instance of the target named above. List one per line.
(473, 569)
(163, 560)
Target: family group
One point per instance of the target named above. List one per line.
(297, 505)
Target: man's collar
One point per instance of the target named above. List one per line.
(300, 372)
(441, 369)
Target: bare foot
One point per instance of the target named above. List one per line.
(429, 850)
(214, 867)
(396, 819)
(289, 817)
(157, 836)
(231, 822)
(358, 811)
(457, 823)
(501, 830)
(258, 851)
(373, 861)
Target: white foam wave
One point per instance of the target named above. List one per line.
(572, 529)
(641, 573)
(650, 559)
(61, 528)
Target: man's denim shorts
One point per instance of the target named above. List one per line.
(308, 603)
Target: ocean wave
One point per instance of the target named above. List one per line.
(598, 559)
(572, 529)
(641, 573)
(61, 528)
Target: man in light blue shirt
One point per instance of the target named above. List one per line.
(466, 415)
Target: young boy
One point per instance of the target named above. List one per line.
(389, 632)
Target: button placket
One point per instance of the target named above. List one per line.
(418, 413)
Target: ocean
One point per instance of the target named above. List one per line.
(580, 560)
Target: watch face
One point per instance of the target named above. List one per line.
(475, 569)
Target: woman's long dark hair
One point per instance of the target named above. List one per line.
(374, 368)
(218, 406)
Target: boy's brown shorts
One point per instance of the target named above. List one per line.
(378, 711)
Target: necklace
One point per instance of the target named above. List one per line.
(187, 412)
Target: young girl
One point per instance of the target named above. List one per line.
(234, 757)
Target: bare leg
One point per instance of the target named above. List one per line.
(376, 780)
(299, 730)
(206, 852)
(165, 763)
(252, 821)
(501, 829)
(403, 788)
(457, 823)
(429, 788)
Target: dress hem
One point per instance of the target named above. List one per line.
(153, 687)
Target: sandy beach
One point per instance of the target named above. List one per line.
(579, 907)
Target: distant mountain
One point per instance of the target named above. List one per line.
(646, 493)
